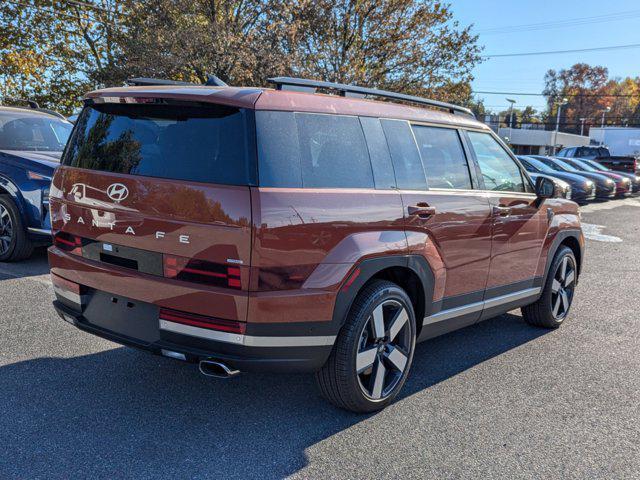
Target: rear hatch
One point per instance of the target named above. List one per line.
(160, 190)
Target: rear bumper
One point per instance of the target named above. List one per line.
(250, 353)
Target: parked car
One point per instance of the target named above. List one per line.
(605, 187)
(253, 229)
(603, 156)
(635, 179)
(31, 142)
(624, 186)
(582, 189)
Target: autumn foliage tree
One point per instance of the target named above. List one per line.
(405, 45)
(589, 92)
(55, 50)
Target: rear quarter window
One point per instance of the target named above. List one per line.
(312, 150)
(212, 143)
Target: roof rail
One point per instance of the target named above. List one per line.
(32, 103)
(306, 85)
(212, 81)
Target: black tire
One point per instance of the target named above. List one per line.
(552, 307)
(17, 245)
(339, 380)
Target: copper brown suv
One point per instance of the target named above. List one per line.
(282, 229)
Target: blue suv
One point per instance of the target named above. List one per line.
(31, 143)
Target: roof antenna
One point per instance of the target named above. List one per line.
(213, 81)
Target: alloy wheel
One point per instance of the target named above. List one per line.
(6, 230)
(384, 349)
(562, 288)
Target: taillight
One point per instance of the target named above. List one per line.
(68, 243)
(201, 271)
(202, 321)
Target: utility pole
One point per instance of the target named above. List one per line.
(510, 116)
(604, 112)
(582, 120)
(555, 139)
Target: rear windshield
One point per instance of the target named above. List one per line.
(213, 144)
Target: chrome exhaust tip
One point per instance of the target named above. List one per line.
(213, 368)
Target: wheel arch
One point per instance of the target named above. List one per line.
(411, 272)
(7, 187)
(569, 238)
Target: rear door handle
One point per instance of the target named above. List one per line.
(501, 211)
(421, 210)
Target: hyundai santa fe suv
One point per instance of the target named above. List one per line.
(256, 229)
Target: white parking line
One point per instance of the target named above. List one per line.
(594, 232)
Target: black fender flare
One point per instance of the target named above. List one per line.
(368, 268)
(555, 244)
(15, 194)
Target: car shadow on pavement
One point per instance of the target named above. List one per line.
(123, 413)
(35, 265)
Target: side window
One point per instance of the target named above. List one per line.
(383, 175)
(499, 171)
(443, 157)
(333, 152)
(404, 154)
(311, 150)
(278, 150)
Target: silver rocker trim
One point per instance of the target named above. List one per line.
(477, 306)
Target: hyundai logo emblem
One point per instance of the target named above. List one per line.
(117, 192)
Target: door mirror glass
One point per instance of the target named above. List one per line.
(545, 187)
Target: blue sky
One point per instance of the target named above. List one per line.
(526, 74)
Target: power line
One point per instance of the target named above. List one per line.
(56, 13)
(94, 7)
(554, 52)
(52, 13)
(561, 23)
(621, 95)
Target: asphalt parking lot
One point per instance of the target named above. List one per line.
(498, 399)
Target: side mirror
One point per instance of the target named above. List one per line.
(545, 187)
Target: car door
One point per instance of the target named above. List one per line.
(447, 219)
(519, 222)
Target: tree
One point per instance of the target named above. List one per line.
(188, 39)
(53, 51)
(589, 92)
(402, 45)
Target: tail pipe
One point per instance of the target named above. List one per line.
(214, 368)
